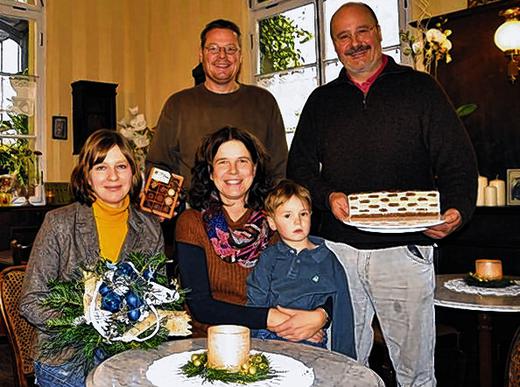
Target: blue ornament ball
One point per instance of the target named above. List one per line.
(134, 314)
(111, 302)
(149, 274)
(124, 269)
(104, 289)
(133, 300)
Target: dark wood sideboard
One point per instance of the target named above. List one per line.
(21, 223)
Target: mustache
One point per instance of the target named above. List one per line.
(355, 50)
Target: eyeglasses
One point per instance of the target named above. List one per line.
(214, 49)
(360, 34)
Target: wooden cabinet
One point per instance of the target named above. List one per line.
(93, 107)
(20, 223)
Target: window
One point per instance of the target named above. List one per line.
(293, 52)
(21, 71)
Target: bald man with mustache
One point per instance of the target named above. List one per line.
(381, 126)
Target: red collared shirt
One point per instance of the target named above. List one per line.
(365, 86)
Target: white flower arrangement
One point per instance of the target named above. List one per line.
(135, 128)
(426, 46)
(429, 46)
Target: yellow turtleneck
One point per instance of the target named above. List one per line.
(112, 226)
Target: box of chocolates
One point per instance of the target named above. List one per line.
(161, 193)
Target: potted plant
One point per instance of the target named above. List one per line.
(16, 157)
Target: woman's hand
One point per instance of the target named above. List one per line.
(275, 318)
(302, 324)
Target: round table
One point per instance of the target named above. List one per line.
(330, 368)
(484, 305)
(459, 300)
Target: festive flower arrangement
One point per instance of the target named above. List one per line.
(430, 45)
(136, 130)
(113, 308)
(256, 369)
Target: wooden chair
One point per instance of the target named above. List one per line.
(513, 362)
(21, 335)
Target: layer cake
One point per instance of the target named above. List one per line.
(394, 205)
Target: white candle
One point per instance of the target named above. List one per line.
(490, 196)
(228, 347)
(500, 185)
(482, 184)
(480, 196)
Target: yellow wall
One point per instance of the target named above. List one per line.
(437, 7)
(147, 47)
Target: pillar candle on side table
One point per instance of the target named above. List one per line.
(228, 347)
(482, 184)
(500, 185)
(489, 269)
(490, 196)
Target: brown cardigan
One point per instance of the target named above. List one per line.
(227, 281)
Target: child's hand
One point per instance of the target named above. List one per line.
(302, 325)
(318, 337)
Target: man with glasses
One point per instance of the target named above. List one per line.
(220, 101)
(384, 127)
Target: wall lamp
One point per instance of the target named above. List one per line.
(507, 38)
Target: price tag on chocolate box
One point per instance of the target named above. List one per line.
(161, 193)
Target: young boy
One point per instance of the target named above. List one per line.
(300, 271)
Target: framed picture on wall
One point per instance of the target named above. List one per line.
(59, 127)
(513, 187)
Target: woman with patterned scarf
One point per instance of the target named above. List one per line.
(219, 240)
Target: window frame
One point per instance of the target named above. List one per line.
(268, 8)
(33, 13)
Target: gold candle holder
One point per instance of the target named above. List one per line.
(228, 347)
(489, 269)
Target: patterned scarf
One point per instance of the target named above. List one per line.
(242, 245)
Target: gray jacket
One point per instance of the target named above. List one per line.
(68, 240)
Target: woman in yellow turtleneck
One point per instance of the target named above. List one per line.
(103, 223)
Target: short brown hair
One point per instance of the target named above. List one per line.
(94, 151)
(220, 24)
(284, 191)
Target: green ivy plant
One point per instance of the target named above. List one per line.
(278, 52)
(17, 159)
